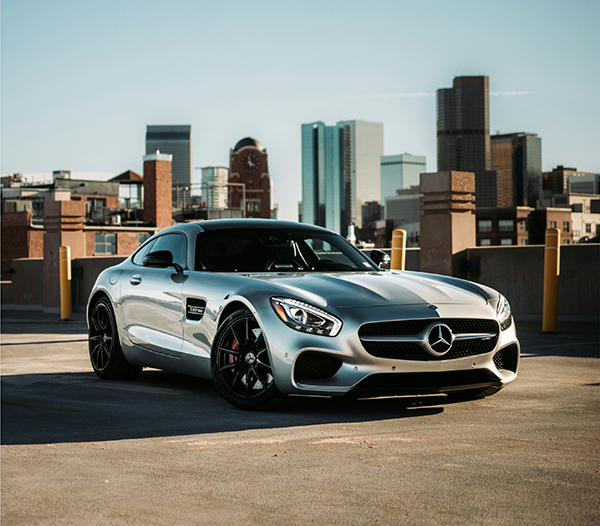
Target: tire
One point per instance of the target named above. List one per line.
(106, 355)
(241, 365)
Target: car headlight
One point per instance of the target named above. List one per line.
(306, 318)
(503, 313)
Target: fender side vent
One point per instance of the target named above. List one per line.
(194, 309)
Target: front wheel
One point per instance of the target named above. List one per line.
(106, 355)
(241, 366)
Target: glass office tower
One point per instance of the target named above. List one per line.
(399, 172)
(366, 149)
(325, 176)
(340, 172)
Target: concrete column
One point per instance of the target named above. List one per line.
(158, 199)
(448, 223)
(64, 226)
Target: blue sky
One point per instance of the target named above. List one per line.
(82, 79)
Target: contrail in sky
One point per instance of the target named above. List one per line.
(509, 93)
(426, 94)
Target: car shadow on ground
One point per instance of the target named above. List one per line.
(79, 407)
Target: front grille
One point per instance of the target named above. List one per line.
(424, 383)
(415, 352)
(409, 327)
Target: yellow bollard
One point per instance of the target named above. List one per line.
(551, 273)
(398, 249)
(65, 282)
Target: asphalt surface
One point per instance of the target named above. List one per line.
(166, 449)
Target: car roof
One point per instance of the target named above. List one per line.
(237, 224)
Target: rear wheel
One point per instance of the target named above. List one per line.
(241, 366)
(106, 355)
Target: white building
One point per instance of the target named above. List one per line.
(366, 149)
(214, 187)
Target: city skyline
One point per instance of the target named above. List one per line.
(80, 85)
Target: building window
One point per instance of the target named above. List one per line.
(130, 196)
(253, 206)
(523, 241)
(523, 226)
(588, 228)
(142, 237)
(506, 242)
(486, 242)
(506, 225)
(565, 241)
(106, 244)
(485, 225)
(97, 202)
(565, 226)
(552, 224)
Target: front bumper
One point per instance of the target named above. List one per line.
(307, 364)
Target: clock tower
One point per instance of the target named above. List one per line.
(248, 167)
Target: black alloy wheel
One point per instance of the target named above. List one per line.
(241, 366)
(106, 355)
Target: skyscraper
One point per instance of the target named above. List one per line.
(326, 176)
(399, 172)
(463, 135)
(517, 158)
(177, 141)
(340, 172)
(366, 149)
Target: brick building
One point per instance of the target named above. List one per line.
(520, 225)
(249, 179)
(112, 221)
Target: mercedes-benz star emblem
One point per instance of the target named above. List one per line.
(439, 339)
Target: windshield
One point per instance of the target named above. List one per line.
(273, 250)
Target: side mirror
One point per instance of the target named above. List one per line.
(160, 259)
(380, 258)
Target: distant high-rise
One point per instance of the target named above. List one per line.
(463, 135)
(340, 172)
(517, 158)
(177, 141)
(399, 172)
(326, 176)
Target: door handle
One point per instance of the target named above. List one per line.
(135, 280)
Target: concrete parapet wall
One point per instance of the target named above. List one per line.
(27, 285)
(515, 271)
(518, 273)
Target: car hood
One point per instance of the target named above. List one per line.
(370, 289)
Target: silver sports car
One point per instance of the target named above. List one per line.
(270, 309)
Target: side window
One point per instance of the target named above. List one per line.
(138, 258)
(176, 244)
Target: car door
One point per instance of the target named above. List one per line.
(152, 306)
